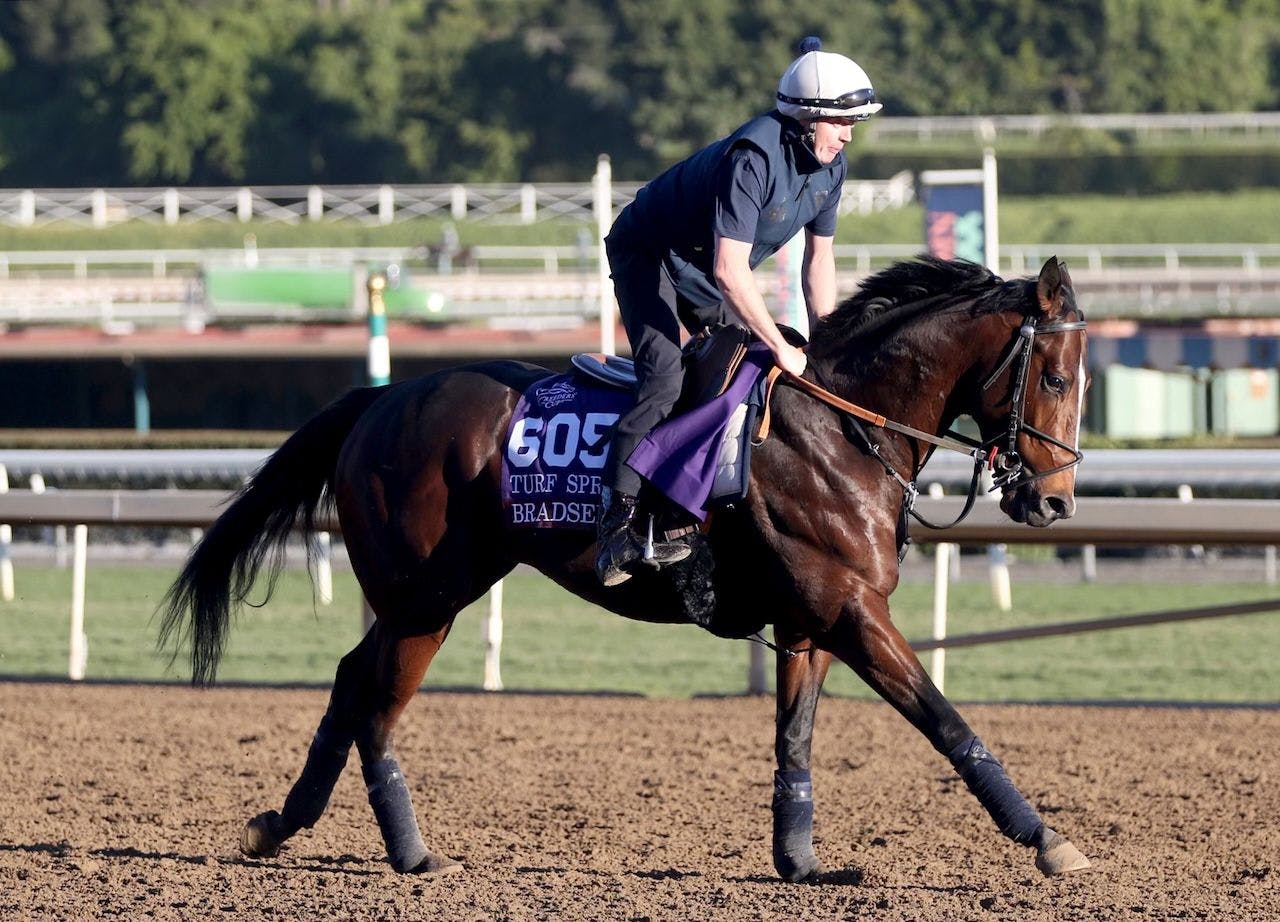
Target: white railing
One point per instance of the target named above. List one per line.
(159, 287)
(500, 203)
(1015, 259)
(1241, 472)
(1098, 521)
(989, 128)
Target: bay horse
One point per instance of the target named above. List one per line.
(813, 549)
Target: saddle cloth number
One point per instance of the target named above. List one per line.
(559, 440)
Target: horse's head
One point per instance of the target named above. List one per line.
(1032, 401)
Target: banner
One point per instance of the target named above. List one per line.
(953, 222)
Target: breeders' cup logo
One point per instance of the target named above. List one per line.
(555, 395)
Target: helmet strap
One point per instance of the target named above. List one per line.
(810, 135)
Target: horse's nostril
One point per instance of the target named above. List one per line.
(1060, 507)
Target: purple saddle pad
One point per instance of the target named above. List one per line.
(679, 456)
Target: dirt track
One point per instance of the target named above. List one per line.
(127, 801)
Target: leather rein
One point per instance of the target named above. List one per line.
(999, 452)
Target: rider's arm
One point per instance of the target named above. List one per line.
(818, 275)
(741, 294)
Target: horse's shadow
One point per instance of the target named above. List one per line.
(66, 850)
(839, 877)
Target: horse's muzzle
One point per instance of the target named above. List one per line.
(1029, 506)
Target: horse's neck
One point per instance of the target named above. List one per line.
(915, 382)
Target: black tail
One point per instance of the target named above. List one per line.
(222, 568)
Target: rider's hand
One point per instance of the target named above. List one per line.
(790, 359)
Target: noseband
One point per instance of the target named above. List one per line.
(1006, 463)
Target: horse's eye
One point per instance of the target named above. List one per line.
(1055, 383)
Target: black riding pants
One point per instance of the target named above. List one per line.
(652, 313)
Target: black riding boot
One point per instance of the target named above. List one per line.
(622, 548)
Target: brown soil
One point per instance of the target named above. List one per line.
(129, 800)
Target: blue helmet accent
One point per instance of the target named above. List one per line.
(810, 43)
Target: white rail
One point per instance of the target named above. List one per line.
(1106, 470)
(1015, 259)
(988, 128)
(1098, 521)
(158, 288)
(498, 203)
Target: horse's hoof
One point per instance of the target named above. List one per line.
(436, 864)
(258, 839)
(800, 872)
(1059, 856)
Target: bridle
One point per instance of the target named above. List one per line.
(999, 453)
(1006, 464)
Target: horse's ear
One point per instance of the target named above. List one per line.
(1053, 279)
(1065, 276)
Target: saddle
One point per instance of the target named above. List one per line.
(711, 358)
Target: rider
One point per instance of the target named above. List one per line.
(684, 250)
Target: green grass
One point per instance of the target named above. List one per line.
(1243, 217)
(554, 641)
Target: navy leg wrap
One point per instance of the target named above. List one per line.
(793, 855)
(389, 797)
(987, 779)
(310, 793)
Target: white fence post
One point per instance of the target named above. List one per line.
(941, 577)
(79, 642)
(315, 203)
(491, 634)
(528, 203)
(59, 531)
(458, 202)
(998, 560)
(603, 199)
(6, 537)
(27, 208)
(171, 206)
(98, 207)
(244, 205)
(1187, 495)
(324, 568)
(1001, 589)
(386, 204)
(1089, 563)
(1268, 564)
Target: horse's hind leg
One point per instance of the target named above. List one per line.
(800, 678)
(374, 683)
(866, 639)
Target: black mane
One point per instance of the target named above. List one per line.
(916, 287)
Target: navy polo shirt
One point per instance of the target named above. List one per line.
(760, 185)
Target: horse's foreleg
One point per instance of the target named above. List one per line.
(866, 639)
(800, 678)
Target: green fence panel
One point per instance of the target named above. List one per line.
(318, 288)
(1141, 403)
(1246, 401)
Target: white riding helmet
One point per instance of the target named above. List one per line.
(821, 83)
